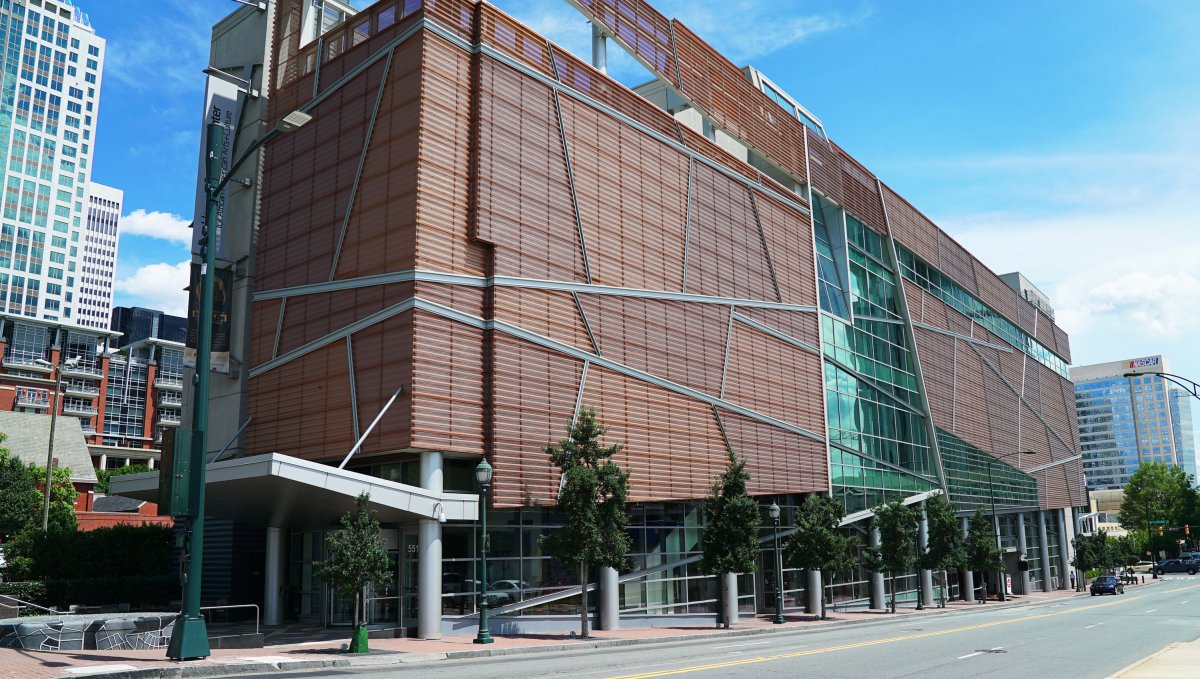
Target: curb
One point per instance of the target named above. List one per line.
(1138, 663)
(400, 658)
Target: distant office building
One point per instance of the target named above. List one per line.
(98, 270)
(1126, 421)
(136, 324)
(51, 97)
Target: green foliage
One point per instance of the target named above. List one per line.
(896, 552)
(357, 555)
(1091, 551)
(818, 542)
(123, 550)
(21, 498)
(946, 545)
(32, 591)
(592, 499)
(980, 545)
(1158, 491)
(145, 592)
(732, 519)
(105, 474)
(1127, 550)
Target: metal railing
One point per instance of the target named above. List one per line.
(257, 616)
(27, 604)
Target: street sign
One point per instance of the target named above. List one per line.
(1157, 522)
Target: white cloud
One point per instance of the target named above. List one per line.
(162, 225)
(140, 58)
(157, 286)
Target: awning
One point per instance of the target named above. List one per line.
(283, 491)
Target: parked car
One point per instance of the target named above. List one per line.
(1107, 584)
(1176, 566)
(1142, 566)
(502, 592)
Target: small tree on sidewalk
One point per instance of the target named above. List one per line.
(730, 539)
(896, 552)
(818, 544)
(982, 553)
(593, 496)
(357, 557)
(946, 550)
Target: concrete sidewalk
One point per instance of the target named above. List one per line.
(315, 655)
(1180, 660)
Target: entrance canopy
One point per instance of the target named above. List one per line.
(280, 490)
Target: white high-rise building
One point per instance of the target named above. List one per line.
(98, 266)
(49, 102)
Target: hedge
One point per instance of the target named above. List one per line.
(31, 591)
(145, 592)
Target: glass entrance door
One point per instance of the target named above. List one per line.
(304, 588)
(408, 575)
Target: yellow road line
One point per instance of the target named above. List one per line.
(861, 644)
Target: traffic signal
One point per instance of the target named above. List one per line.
(1160, 531)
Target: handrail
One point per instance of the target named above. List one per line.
(29, 604)
(254, 606)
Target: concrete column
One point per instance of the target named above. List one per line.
(599, 49)
(1022, 548)
(875, 583)
(815, 593)
(103, 463)
(1044, 544)
(429, 555)
(272, 578)
(1065, 533)
(1002, 572)
(730, 583)
(610, 599)
(923, 543)
(966, 586)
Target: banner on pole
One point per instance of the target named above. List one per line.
(222, 311)
(222, 105)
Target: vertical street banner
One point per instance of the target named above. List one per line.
(222, 310)
(222, 106)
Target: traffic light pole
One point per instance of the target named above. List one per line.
(189, 639)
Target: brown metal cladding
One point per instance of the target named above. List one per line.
(638, 25)
(1003, 405)
(310, 317)
(775, 378)
(549, 313)
(1044, 331)
(725, 250)
(937, 353)
(911, 228)
(799, 325)
(788, 233)
(778, 461)
(713, 151)
(994, 292)
(507, 35)
(954, 261)
(721, 90)
(677, 341)
(825, 165)
(580, 76)
(1062, 343)
(467, 299)
(647, 421)
(861, 193)
(534, 401)
(263, 315)
(383, 361)
(632, 193)
(314, 422)
(443, 181)
(524, 199)
(448, 390)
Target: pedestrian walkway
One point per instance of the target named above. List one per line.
(1177, 660)
(326, 653)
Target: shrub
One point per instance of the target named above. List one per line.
(31, 591)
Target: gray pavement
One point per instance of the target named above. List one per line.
(1079, 637)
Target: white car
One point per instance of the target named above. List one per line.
(501, 592)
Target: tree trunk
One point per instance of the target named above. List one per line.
(893, 576)
(823, 613)
(583, 601)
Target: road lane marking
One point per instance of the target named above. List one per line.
(1152, 610)
(970, 655)
(1096, 625)
(863, 644)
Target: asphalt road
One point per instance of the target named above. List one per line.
(1079, 637)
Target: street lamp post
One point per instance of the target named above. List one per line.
(774, 511)
(69, 363)
(483, 477)
(920, 592)
(189, 639)
(996, 530)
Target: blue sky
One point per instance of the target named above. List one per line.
(1055, 138)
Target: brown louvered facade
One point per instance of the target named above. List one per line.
(504, 234)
